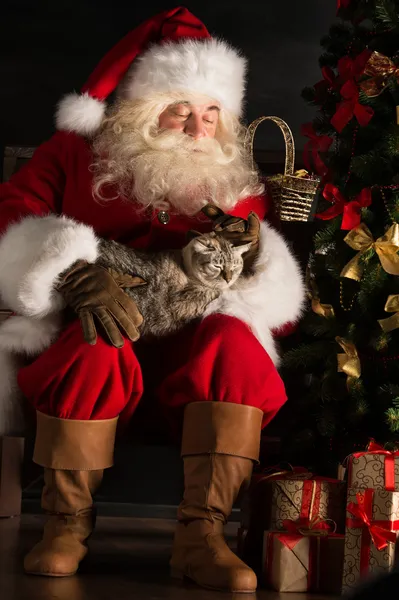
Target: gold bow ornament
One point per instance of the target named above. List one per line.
(324, 310)
(386, 247)
(391, 306)
(380, 70)
(349, 362)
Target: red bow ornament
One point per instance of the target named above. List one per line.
(329, 82)
(351, 68)
(342, 4)
(312, 148)
(352, 210)
(332, 194)
(350, 107)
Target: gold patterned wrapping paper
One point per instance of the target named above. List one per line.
(296, 563)
(270, 502)
(362, 558)
(375, 468)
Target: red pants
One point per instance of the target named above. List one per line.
(218, 359)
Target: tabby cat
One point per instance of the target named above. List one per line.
(180, 283)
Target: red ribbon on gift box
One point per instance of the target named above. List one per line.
(314, 529)
(389, 463)
(380, 532)
(311, 489)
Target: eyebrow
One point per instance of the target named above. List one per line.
(187, 103)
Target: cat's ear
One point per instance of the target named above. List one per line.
(240, 250)
(192, 234)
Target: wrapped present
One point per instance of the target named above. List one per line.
(375, 468)
(304, 559)
(274, 498)
(372, 527)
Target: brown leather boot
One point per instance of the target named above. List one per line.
(74, 455)
(220, 443)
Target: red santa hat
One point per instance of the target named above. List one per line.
(171, 52)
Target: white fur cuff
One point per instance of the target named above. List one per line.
(33, 253)
(272, 297)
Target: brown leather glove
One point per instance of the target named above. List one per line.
(237, 230)
(91, 290)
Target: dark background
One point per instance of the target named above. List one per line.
(50, 47)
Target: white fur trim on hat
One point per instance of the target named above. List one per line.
(210, 67)
(79, 113)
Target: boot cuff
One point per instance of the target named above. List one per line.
(74, 445)
(222, 428)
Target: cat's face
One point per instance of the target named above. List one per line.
(213, 261)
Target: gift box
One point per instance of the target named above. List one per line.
(307, 562)
(372, 527)
(374, 468)
(273, 499)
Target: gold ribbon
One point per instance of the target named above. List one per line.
(324, 310)
(392, 305)
(349, 362)
(386, 247)
(379, 68)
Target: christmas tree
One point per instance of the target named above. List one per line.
(348, 358)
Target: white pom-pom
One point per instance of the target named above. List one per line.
(80, 113)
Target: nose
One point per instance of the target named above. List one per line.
(227, 275)
(195, 127)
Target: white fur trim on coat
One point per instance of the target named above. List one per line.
(79, 113)
(210, 67)
(20, 337)
(33, 253)
(272, 297)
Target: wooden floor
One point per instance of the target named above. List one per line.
(128, 561)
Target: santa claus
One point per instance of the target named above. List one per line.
(140, 168)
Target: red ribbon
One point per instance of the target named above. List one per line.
(305, 526)
(379, 532)
(352, 68)
(342, 4)
(329, 81)
(296, 531)
(332, 194)
(389, 463)
(312, 148)
(350, 107)
(351, 210)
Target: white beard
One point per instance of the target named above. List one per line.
(165, 169)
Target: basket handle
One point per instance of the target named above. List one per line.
(288, 138)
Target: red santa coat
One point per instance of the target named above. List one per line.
(49, 219)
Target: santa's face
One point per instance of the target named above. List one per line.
(196, 120)
(177, 155)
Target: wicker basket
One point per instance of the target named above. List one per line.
(293, 196)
